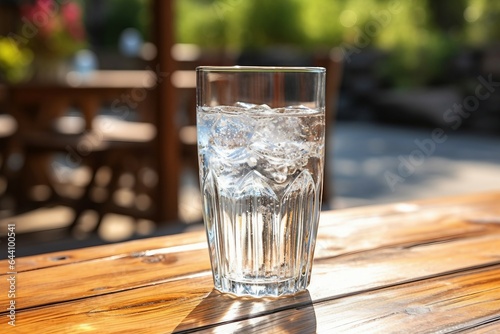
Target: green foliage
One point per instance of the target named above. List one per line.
(483, 22)
(272, 22)
(240, 23)
(417, 49)
(419, 36)
(201, 22)
(14, 60)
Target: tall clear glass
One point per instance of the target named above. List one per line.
(261, 140)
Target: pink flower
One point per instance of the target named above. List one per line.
(72, 20)
(41, 16)
(59, 25)
(71, 13)
(47, 6)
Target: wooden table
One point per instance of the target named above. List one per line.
(419, 267)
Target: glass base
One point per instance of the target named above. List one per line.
(261, 289)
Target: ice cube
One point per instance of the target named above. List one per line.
(205, 123)
(274, 135)
(232, 131)
(232, 164)
(251, 161)
(280, 174)
(299, 107)
(252, 106)
(261, 107)
(244, 105)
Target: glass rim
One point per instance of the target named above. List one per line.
(262, 69)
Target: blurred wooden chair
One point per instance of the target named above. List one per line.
(58, 147)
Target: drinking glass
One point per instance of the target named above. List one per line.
(261, 139)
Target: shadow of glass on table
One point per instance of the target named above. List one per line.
(226, 314)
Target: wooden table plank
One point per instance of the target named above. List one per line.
(354, 235)
(370, 274)
(452, 204)
(107, 275)
(352, 274)
(201, 308)
(40, 261)
(473, 298)
(445, 303)
(490, 327)
(152, 309)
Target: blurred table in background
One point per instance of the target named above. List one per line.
(124, 91)
(98, 141)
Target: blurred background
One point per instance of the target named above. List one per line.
(97, 124)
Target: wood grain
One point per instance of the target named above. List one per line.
(425, 266)
(449, 303)
(92, 253)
